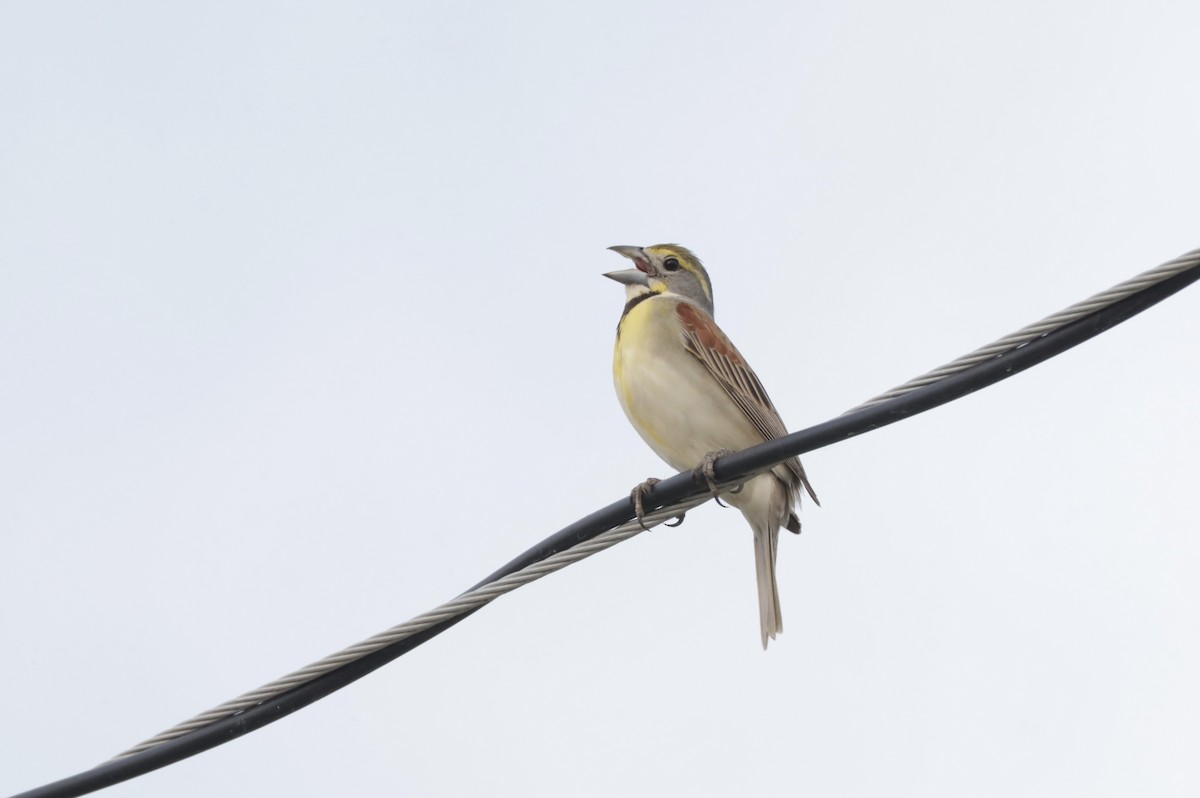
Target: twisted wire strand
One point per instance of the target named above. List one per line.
(471, 600)
(1040, 328)
(485, 594)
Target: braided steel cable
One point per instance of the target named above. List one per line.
(611, 524)
(467, 602)
(1039, 328)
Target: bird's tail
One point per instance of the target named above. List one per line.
(766, 544)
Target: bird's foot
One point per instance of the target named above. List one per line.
(639, 509)
(706, 473)
(637, 495)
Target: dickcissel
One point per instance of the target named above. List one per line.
(692, 397)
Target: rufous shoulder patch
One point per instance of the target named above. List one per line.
(706, 331)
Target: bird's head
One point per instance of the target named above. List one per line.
(665, 269)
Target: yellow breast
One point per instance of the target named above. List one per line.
(669, 396)
(633, 354)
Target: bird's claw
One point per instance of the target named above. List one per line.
(706, 472)
(637, 494)
(639, 509)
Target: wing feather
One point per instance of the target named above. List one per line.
(709, 344)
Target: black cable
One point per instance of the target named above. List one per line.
(668, 491)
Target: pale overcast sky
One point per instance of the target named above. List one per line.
(303, 332)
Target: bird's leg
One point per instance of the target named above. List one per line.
(639, 509)
(706, 473)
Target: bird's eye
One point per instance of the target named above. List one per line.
(671, 264)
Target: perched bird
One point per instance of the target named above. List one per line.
(692, 397)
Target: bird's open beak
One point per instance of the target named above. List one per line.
(635, 254)
(628, 277)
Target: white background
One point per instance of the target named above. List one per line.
(302, 332)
